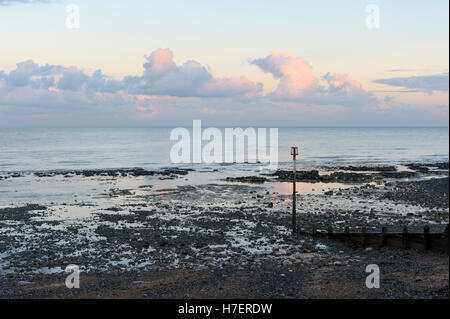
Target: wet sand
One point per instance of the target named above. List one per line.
(186, 233)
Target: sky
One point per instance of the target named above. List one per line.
(246, 63)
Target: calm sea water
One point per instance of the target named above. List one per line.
(96, 148)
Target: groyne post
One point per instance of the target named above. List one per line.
(294, 153)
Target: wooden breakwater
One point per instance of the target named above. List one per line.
(406, 239)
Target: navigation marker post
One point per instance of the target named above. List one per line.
(294, 153)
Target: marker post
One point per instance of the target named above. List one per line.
(294, 153)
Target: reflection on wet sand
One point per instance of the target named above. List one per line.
(304, 188)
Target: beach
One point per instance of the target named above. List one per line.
(216, 232)
(226, 152)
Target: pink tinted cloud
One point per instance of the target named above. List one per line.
(297, 83)
(159, 64)
(295, 74)
(208, 110)
(163, 77)
(346, 90)
(167, 90)
(146, 105)
(231, 86)
(150, 111)
(342, 81)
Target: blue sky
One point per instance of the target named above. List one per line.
(256, 62)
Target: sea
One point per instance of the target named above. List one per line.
(45, 149)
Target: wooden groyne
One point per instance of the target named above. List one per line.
(406, 239)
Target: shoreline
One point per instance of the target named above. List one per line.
(115, 223)
(406, 275)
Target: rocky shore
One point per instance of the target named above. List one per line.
(405, 275)
(164, 233)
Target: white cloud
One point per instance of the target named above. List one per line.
(163, 77)
(169, 91)
(425, 83)
(72, 79)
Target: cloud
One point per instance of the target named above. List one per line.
(9, 2)
(161, 77)
(230, 87)
(99, 82)
(36, 90)
(295, 74)
(164, 78)
(169, 91)
(159, 64)
(297, 83)
(72, 79)
(345, 90)
(426, 83)
(28, 73)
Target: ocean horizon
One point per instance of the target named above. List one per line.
(34, 149)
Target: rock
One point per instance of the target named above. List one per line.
(247, 179)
